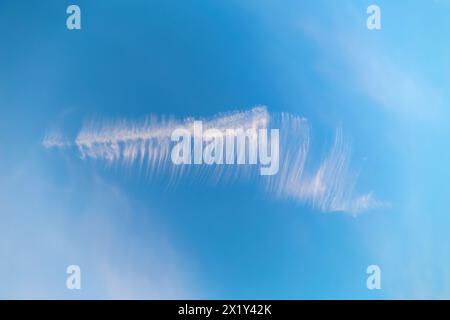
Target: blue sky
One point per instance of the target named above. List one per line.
(135, 238)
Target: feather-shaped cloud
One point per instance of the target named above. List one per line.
(328, 186)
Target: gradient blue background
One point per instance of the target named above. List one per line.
(132, 238)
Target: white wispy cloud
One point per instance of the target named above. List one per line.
(146, 145)
(55, 139)
(329, 186)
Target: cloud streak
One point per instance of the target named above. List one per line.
(146, 146)
(372, 69)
